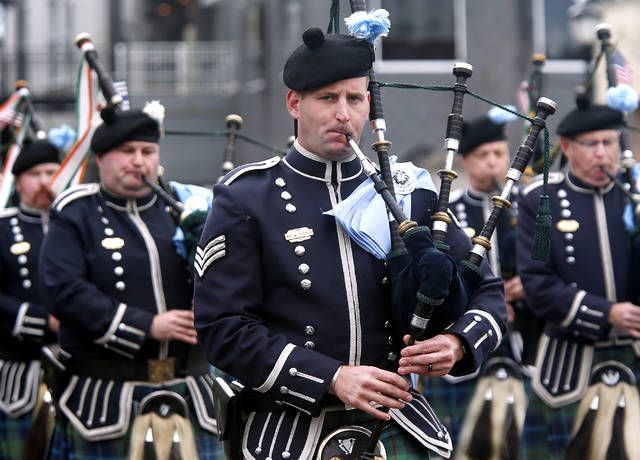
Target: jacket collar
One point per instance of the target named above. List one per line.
(126, 204)
(580, 186)
(33, 215)
(477, 197)
(313, 166)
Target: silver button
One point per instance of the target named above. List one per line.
(562, 193)
(309, 330)
(258, 451)
(299, 251)
(568, 236)
(104, 220)
(290, 208)
(15, 230)
(384, 281)
(477, 318)
(118, 271)
(392, 356)
(303, 269)
(464, 224)
(14, 221)
(24, 271)
(285, 195)
(280, 182)
(122, 326)
(460, 207)
(565, 213)
(305, 284)
(18, 237)
(120, 286)
(583, 308)
(293, 371)
(390, 340)
(569, 249)
(286, 454)
(108, 231)
(571, 260)
(564, 203)
(489, 332)
(309, 345)
(116, 256)
(462, 216)
(26, 284)
(22, 259)
(99, 209)
(387, 324)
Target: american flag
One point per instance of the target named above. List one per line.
(622, 67)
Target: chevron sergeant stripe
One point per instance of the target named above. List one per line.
(214, 250)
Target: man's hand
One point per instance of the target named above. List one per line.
(359, 386)
(513, 290)
(174, 325)
(626, 317)
(433, 357)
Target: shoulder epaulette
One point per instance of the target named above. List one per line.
(554, 178)
(266, 164)
(73, 193)
(8, 212)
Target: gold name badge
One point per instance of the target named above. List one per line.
(568, 225)
(295, 235)
(113, 243)
(20, 248)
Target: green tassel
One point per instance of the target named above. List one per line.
(542, 235)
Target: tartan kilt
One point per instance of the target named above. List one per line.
(449, 401)
(398, 444)
(13, 434)
(68, 444)
(547, 431)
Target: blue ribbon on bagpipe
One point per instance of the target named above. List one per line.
(195, 199)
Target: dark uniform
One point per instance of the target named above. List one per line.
(587, 271)
(23, 329)
(110, 266)
(284, 297)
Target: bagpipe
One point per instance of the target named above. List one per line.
(617, 91)
(627, 160)
(423, 275)
(95, 90)
(530, 91)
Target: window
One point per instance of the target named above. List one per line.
(564, 31)
(426, 35)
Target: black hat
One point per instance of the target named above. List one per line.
(587, 117)
(480, 131)
(123, 126)
(34, 153)
(325, 59)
